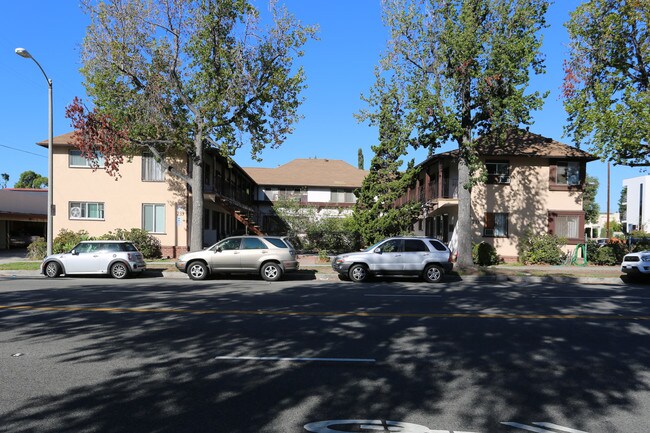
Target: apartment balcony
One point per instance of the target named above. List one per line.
(448, 193)
(433, 195)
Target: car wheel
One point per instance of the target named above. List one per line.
(119, 270)
(433, 274)
(358, 273)
(197, 271)
(52, 270)
(271, 272)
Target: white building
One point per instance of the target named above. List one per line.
(638, 203)
(324, 185)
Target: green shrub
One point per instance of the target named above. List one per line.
(323, 256)
(148, 245)
(604, 255)
(37, 249)
(607, 255)
(67, 239)
(541, 249)
(484, 254)
(332, 235)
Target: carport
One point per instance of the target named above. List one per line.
(23, 215)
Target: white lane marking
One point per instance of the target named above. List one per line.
(526, 427)
(331, 426)
(558, 427)
(276, 358)
(406, 296)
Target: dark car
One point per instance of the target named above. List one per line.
(425, 257)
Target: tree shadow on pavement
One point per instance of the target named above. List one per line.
(480, 354)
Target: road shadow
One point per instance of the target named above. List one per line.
(164, 375)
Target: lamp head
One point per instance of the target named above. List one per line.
(23, 53)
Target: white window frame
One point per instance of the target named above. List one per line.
(155, 223)
(79, 210)
(87, 162)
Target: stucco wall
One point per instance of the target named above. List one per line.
(527, 200)
(123, 198)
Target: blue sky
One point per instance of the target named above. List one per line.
(339, 69)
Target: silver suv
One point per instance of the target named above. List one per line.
(424, 257)
(119, 259)
(268, 256)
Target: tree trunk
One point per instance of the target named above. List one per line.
(464, 216)
(196, 225)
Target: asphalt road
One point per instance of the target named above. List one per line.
(246, 356)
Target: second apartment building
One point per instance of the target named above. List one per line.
(533, 184)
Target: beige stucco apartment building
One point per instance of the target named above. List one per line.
(533, 183)
(145, 196)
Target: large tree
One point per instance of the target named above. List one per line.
(375, 213)
(175, 76)
(30, 179)
(464, 66)
(606, 91)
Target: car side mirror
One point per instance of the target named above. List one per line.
(378, 250)
(218, 250)
(74, 252)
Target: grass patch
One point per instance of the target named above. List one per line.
(20, 266)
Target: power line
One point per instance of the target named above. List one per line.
(24, 151)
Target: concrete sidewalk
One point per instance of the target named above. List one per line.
(314, 269)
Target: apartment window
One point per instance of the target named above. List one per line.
(340, 196)
(153, 218)
(495, 225)
(565, 175)
(567, 224)
(337, 196)
(86, 210)
(77, 159)
(497, 172)
(152, 170)
(568, 173)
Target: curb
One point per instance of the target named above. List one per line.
(466, 278)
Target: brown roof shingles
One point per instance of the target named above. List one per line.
(310, 172)
(519, 142)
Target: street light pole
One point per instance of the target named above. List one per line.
(50, 165)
